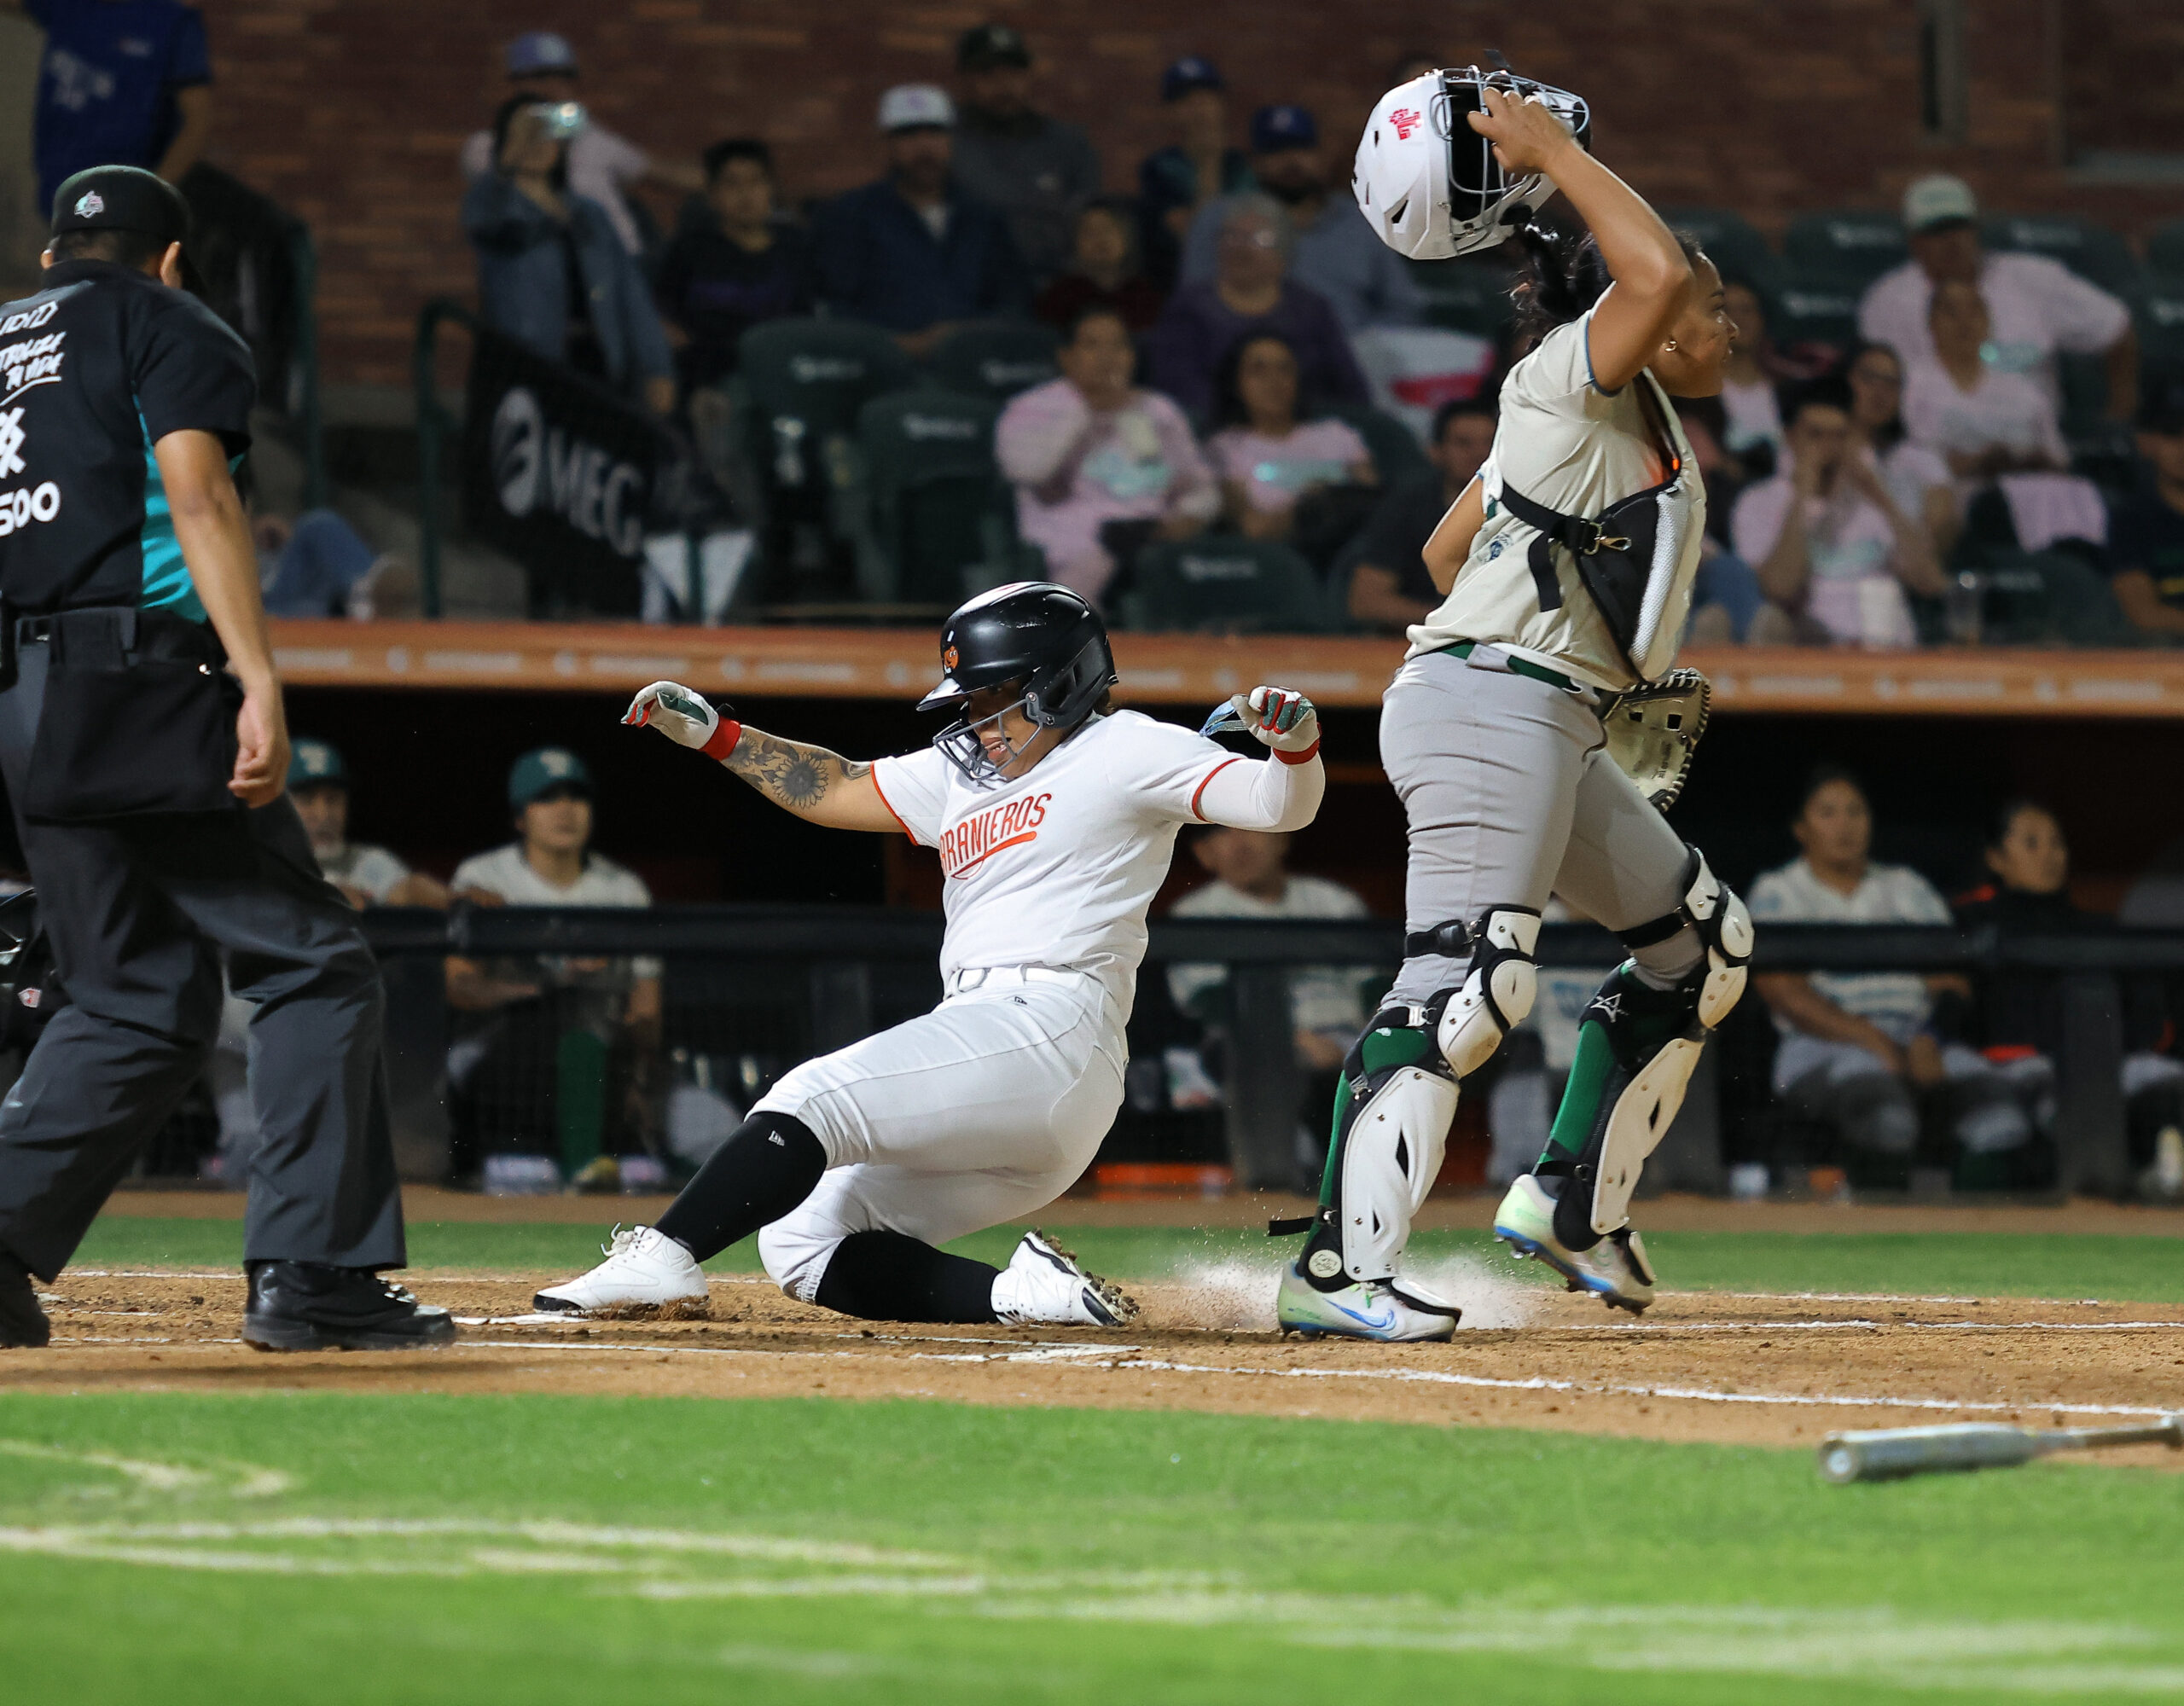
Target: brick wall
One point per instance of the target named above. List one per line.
(352, 111)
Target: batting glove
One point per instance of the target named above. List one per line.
(684, 717)
(1281, 718)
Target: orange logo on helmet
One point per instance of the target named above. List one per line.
(948, 659)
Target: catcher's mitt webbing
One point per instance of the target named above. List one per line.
(1653, 730)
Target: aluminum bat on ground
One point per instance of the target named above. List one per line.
(1890, 1453)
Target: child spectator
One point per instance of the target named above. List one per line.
(1858, 1048)
(1982, 421)
(1268, 458)
(1919, 480)
(723, 276)
(1175, 182)
(913, 253)
(551, 272)
(1832, 550)
(119, 85)
(1250, 292)
(1100, 467)
(1103, 272)
(1038, 170)
(2146, 533)
(542, 68)
(318, 782)
(1389, 586)
(2040, 306)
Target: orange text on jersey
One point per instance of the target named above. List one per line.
(983, 834)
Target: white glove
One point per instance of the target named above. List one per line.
(1281, 718)
(684, 717)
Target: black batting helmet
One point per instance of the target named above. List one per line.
(1035, 633)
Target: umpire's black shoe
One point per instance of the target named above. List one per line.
(308, 1306)
(23, 1325)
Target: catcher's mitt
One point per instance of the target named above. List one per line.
(1653, 730)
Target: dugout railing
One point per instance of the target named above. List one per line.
(792, 982)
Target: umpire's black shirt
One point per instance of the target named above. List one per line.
(94, 369)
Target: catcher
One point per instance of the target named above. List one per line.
(1567, 564)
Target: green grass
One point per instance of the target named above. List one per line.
(1034, 1555)
(2057, 1265)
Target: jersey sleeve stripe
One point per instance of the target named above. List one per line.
(890, 804)
(1201, 793)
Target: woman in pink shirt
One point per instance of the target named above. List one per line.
(1267, 458)
(1089, 450)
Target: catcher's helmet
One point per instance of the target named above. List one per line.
(1429, 184)
(1043, 636)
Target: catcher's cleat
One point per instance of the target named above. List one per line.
(1370, 1308)
(1044, 1285)
(1614, 1270)
(645, 1273)
(310, 1306)
(23, 1325)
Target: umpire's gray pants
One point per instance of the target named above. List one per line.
(1512, 798)
(137, 911)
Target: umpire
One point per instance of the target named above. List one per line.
(146, 781)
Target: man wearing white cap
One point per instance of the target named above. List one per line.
(912, 252)
(2038, 307)
(601, 164)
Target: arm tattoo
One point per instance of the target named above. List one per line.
(791, 775)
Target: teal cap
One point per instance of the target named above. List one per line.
(544, 770)
(315, 763)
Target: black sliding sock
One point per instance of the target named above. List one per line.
(770, 1163)
(887, 1276)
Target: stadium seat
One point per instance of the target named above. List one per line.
(1225, 586)
(1851, 243)
(2091, 251)
(2160, 323)
(993, 358)
(939, 528)
(1396, 450)
(1467, 295)
(1731, 240)
(2165, 250)
(1816, 308)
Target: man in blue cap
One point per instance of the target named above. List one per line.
(602, 166)
(1200, 164)
(1038, 171)
(1336, 251)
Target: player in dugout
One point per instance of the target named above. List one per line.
(1054, 815)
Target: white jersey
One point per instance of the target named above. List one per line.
(1564, 442)
(1057, 867)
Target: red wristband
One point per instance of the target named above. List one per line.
(722, 741)
(1305, 757)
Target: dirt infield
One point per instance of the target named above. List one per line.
(1699, 1365)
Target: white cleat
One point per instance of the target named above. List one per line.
(1370, 1309)
(1615, 1270)
(645, 1273)
(1043, 1285)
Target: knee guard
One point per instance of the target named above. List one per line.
(1718, 915)
(1392, 1116)
(1469, 1022)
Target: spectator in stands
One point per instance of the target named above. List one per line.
(551, 273)
(1982, 420)
(2015, 1017)
(1334, 249)
(318, 782)
(1834, 551)
(1100, 467)
(2040, 308)
(318, 564)
(2146, 533)
(118, 85)
(1919, 480)
(1104, 272)
(1250, 292)
(605, 167)
(1752, 432)
(1038, 170)
(1199, 165)
(1389, 586)
(1725, 594)
(913, 253)
(1327, 1007)
(1272, 453)
(535, 1026)
(745, 264)
(1858, 1048)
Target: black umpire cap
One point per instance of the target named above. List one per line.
(121, 198)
